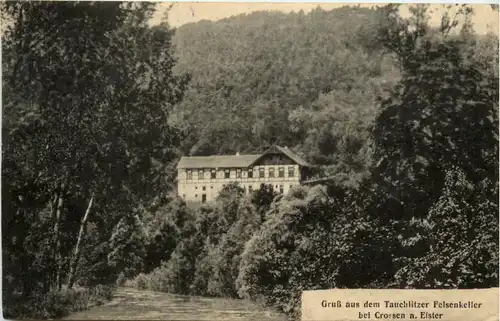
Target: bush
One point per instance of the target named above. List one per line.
(56, 304)
(174, 276)
(312, 243)
(128, 246)
(462, 236)
(140, 282)
(206, 258)
(230, 248)
(164, 232)
(204, 282)
(120, 280)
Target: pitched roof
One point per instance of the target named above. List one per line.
(217, 161)
(225, 161)
(294, 156)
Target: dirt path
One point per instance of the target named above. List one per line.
(129, 304)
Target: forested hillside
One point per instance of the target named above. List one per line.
(308, 81)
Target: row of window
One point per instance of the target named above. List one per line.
(226, 173)
(250, 190)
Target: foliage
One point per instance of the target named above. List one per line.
(434, 118)
(230, 248)
(462, 230)
(308, 81)
(262, 199)
(206, 258)
(164, 233)
(314, 242)
(57, 304)
(387, 151)
(94, 267)
(443, 115)
(127, 246)
(87, 91)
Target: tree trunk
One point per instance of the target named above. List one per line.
(76, 254)
(52, 262)
(57, 241)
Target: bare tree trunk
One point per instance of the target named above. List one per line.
(57, 241)
(53, 207)
(76, 254)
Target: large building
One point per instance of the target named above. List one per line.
(201, 178)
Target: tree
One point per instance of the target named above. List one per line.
(262, 199)
(128, 246)
(88, 90)
(164, 233)
(462, 230)
(313, 241)
(443, 112)
(227, 205)
(230, 248)
(252, 73)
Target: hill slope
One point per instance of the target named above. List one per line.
(308, 81)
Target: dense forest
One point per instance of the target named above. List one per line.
(98, 106)
(307, 81)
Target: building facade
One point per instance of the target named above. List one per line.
(201, 178)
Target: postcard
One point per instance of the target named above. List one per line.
(242, 161)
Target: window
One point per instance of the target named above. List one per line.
(261, 172)
(196, 187)
(250, 189)
(203, 198)
(195, 195)
(203, 188)
(238, 173)
(226, 173)
(282, 189)
(281, 172)
(200, 174)
(183, 195)
(291, 171)
(189, 174)
(271, 172)
(250, 172)
(213, 174)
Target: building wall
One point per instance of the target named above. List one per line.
(193, 189)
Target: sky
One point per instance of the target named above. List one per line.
(484, 20)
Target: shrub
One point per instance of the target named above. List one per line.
(120, 280)
(164, 232)
(462, 237)
(230, 248)
(128, 246)
(204, 282)
(174, 276)
(56, 304)
(263, 198)
(311, 243)
(140, 282)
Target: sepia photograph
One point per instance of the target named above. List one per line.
(223, 161)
